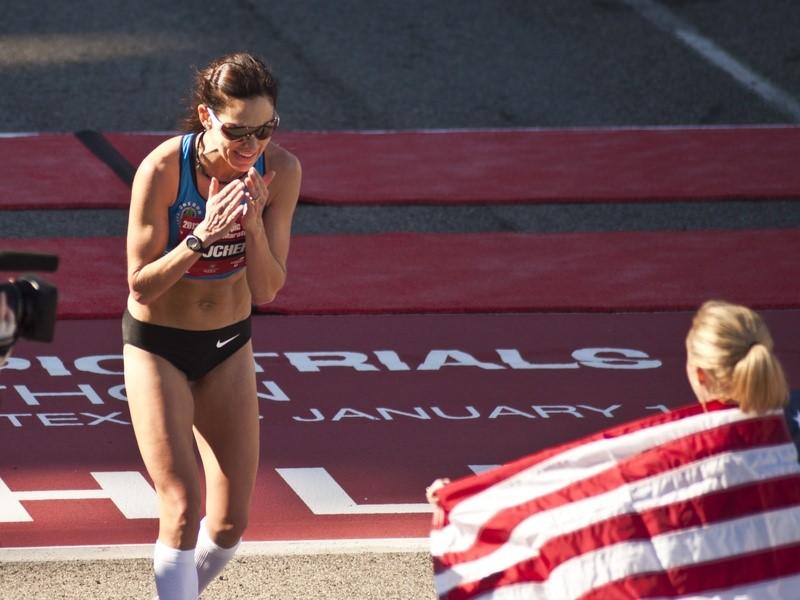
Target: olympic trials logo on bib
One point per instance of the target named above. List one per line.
(188, 217)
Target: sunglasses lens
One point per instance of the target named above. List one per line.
(235, 133)
(262, 132)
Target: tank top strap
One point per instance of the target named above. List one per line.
(186, 186)
(261, 163)
(187, 181)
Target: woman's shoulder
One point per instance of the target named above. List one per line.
(164, 158)
(285, 187)
(280, 160)
(159, 173)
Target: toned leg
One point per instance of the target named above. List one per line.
(227, 435)
(162, 411)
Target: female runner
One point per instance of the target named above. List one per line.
(208, 237)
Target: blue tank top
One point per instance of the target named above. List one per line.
(225, 256)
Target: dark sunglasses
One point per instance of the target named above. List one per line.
(235, 132)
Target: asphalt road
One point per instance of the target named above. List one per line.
(355, 64)
(380, 64)
(358, 64)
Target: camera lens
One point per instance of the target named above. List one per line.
(33, 302)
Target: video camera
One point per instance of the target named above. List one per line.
(32, 299)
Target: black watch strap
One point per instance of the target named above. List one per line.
(195, 243)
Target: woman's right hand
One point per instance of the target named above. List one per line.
(223, 209)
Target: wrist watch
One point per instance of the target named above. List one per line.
(194, 243)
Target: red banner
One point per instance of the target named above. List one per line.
(359, 414)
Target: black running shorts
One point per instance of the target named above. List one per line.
(193, 352)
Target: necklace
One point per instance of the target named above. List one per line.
(199, 165)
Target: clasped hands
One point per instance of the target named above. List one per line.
(243, 199)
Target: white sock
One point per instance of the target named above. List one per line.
(176, 576)
(209, 558)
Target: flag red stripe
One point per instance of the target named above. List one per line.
(730, 437)
(739, 570)
(717, 506)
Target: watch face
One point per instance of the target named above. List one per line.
(194, 243)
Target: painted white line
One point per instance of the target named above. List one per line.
(61, 553)
(324, 496)
(278, 548)
(352, 546)
(18, 134)
(667, 21)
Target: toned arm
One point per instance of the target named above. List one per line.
(268, 245)
(155, 186)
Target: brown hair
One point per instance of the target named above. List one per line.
(733, 345)
(240, 75)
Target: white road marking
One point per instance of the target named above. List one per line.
(128, 490)
(323, 495)
(667, 21)
(277, 548)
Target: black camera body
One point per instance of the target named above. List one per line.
(31, 299)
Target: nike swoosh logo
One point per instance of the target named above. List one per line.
(221, 343)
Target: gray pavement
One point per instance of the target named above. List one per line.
(402, 576)
(539, 218)
(380, 64)
(359, 64)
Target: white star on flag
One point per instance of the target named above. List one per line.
(797, 418)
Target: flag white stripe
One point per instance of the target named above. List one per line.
(577, 463)
(784, 587)
(688, 481)
(672, 550)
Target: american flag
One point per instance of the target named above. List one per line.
(683, 504)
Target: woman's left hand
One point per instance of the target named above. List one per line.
(430, 495)
(256, 198)
(430, 491)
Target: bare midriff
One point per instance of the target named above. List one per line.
(198, 304)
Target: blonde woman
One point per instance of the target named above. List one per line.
(682, 500)
(729, 358)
